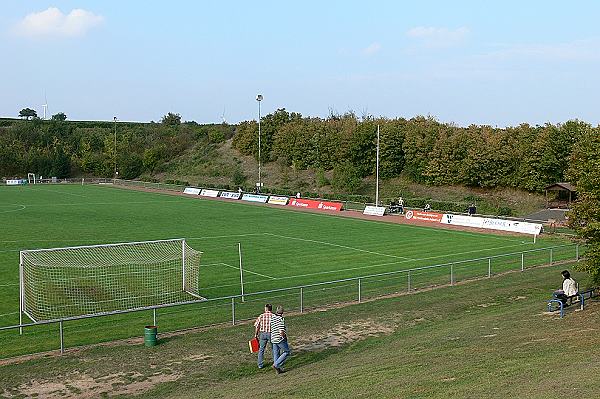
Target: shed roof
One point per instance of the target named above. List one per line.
(561, 186)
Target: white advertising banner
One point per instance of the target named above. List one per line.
(512, 225)
(230, 195)
(191, 190)
(209, 193)
(255, 198)
(493, 224)
(462, 220)
(374, 210)
(275, 200)
(13, 182)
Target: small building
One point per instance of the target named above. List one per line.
(561, 195)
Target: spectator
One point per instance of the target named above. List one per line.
(262, 331)
(401, 205)
(472, 209)
(427, 207)
(298, 194)
(279, 342)
(569, 288)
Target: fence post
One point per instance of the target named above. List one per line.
(489, 267)
(452, 274)
(359, 293)
(522, 261)
(233, 311)
(154, 317)
(409, 281)
(551, 255)
(301, 300)
(62, 341)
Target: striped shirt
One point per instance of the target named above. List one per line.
(278, 329)
(263, 322)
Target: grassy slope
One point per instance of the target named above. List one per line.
(468, 341)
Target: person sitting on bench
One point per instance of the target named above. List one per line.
(569, 288)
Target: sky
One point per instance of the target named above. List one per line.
(464, 62)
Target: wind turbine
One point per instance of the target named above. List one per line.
(223, 117)
(45, 105)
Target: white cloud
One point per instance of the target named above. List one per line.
(52, 22)
(438, 37)
(372, 49)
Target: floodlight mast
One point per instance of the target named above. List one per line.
(259, 98)
(115, 123)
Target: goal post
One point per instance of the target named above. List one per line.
(66, 282)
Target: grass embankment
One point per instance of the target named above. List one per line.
(484, 339)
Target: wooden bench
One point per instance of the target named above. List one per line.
(557, 304)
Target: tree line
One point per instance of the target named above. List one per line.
(63, 148)
(422, 148)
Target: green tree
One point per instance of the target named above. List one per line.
(171, 119)
(27, 113)
(584, 217)
(346, 178)
(61, 116)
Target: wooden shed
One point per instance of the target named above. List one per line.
(564, 194)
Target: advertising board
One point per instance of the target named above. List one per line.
(209, 193)
(423, 216)
(374, 210)
(314, 204)
(191, 190)
(275, 200)
(255, 198)
(230, 195)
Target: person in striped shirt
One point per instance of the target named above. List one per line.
(279, 342)
(262, 331)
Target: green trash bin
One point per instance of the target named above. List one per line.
(150, 335)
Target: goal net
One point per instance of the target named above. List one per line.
(65, 282)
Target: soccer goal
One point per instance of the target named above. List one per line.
(31, 178)
(96, 279)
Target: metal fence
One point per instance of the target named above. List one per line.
(320, 294)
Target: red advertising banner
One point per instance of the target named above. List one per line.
(312, 204)
(424, 216)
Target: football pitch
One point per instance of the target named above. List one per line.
(280, 248)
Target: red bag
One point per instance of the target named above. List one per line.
(253, 344)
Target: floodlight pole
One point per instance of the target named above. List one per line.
(115, 123)
(259, 98)
(377, 172)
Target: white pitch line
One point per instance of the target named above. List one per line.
(250, 271)
(15, 210)
(339, 246)
(8, 314)
(227, 236)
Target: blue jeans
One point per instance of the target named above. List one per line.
(281, 351)
(263, 339)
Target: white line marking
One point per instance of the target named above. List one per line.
(58, 192)
(8, 314)
(227, 236)
(339, 246)
(14, 210)
(250, 271)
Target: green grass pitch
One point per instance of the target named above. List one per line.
(280, 247)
